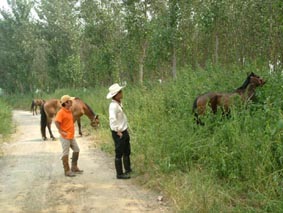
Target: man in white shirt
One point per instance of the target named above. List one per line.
(118, 125)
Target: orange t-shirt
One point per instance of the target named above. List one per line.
(65, 118)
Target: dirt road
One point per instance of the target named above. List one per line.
(32, 180)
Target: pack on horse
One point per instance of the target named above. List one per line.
(34, 104)
(246, 92)
(79, 108)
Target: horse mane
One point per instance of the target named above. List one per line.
(89, 108)
(246, 82)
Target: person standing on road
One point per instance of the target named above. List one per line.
(118, 125)
(65, 124)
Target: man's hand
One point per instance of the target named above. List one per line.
(63, 133)
(120, 134)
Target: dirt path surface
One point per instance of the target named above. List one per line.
(32, 180)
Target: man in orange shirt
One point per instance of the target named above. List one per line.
(65, 124)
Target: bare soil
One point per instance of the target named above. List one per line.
(32, 178)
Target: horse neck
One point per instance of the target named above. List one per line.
(247, 93)
(58, 105)
(88, 112)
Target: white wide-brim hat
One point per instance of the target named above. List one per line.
(113, 90)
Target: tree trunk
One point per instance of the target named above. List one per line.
(216, 49)
(141, 61)
(174, 63)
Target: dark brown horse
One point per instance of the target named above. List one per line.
(246, 93)
(34, 104)
(79, 108)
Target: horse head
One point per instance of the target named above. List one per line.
(95, 121)
(256, 80)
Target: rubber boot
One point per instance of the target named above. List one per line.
(68, 172)
(119, 169)
(75, 167)
(127, 164)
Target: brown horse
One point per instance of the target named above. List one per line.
(79, 108)
(34, 104)
(246, 92)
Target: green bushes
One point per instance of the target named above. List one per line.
(5, 120)
(244, 150)
(230, 164)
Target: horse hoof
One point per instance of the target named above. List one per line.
(54, 139)
(44, 139)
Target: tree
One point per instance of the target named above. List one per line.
(17, 47)
(58, 22)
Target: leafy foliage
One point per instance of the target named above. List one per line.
(6, 120)
(206, 45)
(43, 43)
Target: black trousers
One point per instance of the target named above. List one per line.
(122, 145)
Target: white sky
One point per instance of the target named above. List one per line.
(3, 3)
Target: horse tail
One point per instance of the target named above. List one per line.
(32, 105)
(195, 106)
(43, 120)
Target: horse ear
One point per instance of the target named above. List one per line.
(250, 74)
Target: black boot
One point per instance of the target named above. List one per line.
(127, 164)
(119, 169)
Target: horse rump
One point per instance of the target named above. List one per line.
(202, 102)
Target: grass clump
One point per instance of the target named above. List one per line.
(6, 120)
(237, 161)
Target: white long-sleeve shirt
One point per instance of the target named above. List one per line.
(117, 118)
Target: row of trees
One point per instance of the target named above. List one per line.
(50, 44)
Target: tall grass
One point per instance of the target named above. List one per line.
(6, 126)
(228, 165)
(241, 154)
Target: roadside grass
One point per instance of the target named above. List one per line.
(6, 126)
(228, 165)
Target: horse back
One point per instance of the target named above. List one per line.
(78, 108)
(51, 107)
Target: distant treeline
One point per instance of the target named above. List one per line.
(52, 44)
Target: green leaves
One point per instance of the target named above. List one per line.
(136, 41)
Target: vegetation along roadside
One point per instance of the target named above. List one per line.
(229, 165)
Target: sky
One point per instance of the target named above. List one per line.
(3, 3)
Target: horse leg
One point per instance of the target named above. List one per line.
(50, 132)
(79, 125)
(198, 121)
(226, 111)
(43, 132)
(213, 103)
(31, 107)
